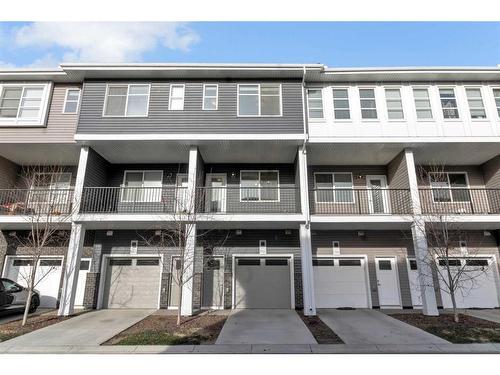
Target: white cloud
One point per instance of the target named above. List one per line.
(104, 41)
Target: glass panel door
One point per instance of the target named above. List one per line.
(377, 195)
(216, 193)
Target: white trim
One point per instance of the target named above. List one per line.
(484, 107)
(170, 96)
(260, 187)
(85, 281)
(374, 88)
(312, 119)
(342, 120)
(126, 100)
(77, 101)
(495, 107)
(454, 88)
(262, 256)
(216, 97)
(223, 265)
(104, 267)
(427, 89)
(399, 88)
(398, 282)
(259, 99)
(408, 271)
(192, 137)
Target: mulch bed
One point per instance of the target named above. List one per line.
(321, 332)
(162, 330)
(468, 330)
(14, 329)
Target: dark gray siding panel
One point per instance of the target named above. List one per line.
(8, 173)
(192, 119)
(97, 168)
(398, 173)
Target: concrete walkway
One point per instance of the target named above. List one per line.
(265, 326)
(493, 315)
(92, 328)
(365, 327)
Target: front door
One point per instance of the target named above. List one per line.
(378, 196)
(213, 282)
(387, 282)
(216, 193)
(175, 276)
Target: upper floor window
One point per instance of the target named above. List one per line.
(496, 94)
(176, 99)
(449, 187)
(259, 186)
(368, 104)
(210, 97)
(71, 101)
(315, 103)
(259, 99)
(127, 100)
(422, 103)
(23, 104)
(394, 104)
(476, 105)
(341, 110)
(449, 103)
(333, 187)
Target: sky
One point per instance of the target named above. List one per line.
(336, 44)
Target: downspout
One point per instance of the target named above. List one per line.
(305, 133)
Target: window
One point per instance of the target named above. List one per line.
(341, 109)
(71, 101)
(249, 262)
(477, 262)
(350, 263)
(276, 262)
(259, 100)
(449, 187)
(10, 286)
(318, 262)
(315, 103)
(259, 186)
(496, 94)
(127, 101)
(422, 103)
(210, 97)
(413, 264)
(384, 265)
(334, 188)
(176, 98)
(449, 103)
(142, 186)
(394, 104)
(50, 191)
(451, 262)
(476, 105)
(368, 104)
(23, 104)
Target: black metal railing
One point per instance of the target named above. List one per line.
(458, 201)
(35, 201)
(360, 201)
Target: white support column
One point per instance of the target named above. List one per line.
(188, 273)
(429, 303)
(80, 178)
(71, 270)
(192, 176)
(305, 238)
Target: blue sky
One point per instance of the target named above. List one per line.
(337, 44)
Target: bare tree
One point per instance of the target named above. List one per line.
(449, 255)
(45, 200)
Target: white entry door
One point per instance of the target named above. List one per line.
(387, 281)
(378, 196)
(181, 195)
(416, 295)
(215, 198)
(82, 280)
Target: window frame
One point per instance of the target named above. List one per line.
(216, 97)
(41, 120)
(143, 171)
(377, 118)
(482, 100)
(347, 88)
(172, 85)
(315, 99)
(64, 112)
(429, 96)
(260, 185)
(126, 101)
(259, 99)
(399, 89)
(454, 88)
(333, 188)
(449, 188)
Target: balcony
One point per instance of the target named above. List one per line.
(361, 201)
(36, 201)
(460, 201)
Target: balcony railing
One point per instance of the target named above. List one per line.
(456, 201)
(360, 201)
(35, 201)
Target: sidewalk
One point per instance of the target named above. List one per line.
(261, 349)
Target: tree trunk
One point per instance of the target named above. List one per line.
(31, 286)
(179, 302)
(455, 311)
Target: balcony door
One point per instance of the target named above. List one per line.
(181, 200)
(378, 197)
(215, 198)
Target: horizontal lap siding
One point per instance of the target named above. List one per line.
(192, 119)
(397, 173)
(97, 169)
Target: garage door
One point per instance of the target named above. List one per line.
(132, 283)
(262, 283)
(47, 280)
(481, 292)
(340, 282)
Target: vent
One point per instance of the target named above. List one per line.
(84, 265)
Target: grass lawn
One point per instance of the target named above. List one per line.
(14, 329)
(321, 332)
(162, 330)
(468, 330)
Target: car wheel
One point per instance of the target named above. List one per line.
(35, 302)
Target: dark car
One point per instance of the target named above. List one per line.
(13, 297)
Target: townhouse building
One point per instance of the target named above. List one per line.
(302, 186)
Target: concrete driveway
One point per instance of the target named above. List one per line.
(365, 326)
(265, 326)
(88, 329)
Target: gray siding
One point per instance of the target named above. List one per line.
(192, 119)
(397, 173)
(8, 173)
(491, 173)
(97, 169)
(60, 128)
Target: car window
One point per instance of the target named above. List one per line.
(9, 285)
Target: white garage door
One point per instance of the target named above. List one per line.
(262, 283)
(132, 283)
(340, 282)
(47, 279)
(481, 291)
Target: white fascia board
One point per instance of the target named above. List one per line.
(189, 66)
(187, 137)
(405, 140)
(361, 219)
